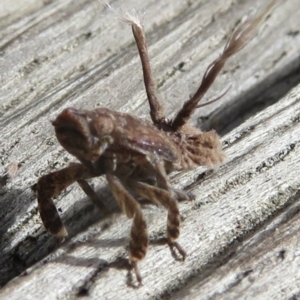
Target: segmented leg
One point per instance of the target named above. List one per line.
(166, 196)
(182, 195)
(92, 195)
(139, 234)
(52, 184)
(160, 196)
(158, 169)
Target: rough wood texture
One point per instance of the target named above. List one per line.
(242, 231)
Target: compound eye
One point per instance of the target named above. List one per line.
(73, 132)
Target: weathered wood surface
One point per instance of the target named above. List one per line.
(242, 231)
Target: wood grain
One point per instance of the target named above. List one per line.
(241, 232)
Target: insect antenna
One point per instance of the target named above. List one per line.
(243, 34)
(135, 21)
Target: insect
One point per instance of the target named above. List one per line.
(136, 155)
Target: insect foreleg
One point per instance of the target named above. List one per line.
(51, 185)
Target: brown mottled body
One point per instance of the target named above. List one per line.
(136, 155)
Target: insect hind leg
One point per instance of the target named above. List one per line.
(166, 198)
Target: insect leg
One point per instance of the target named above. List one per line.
(51, 185)
(163, 183)
(164, 197)
(182, 195)
(92, 195)
(139, 233)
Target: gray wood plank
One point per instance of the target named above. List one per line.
(244, 219)
(75, 54)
